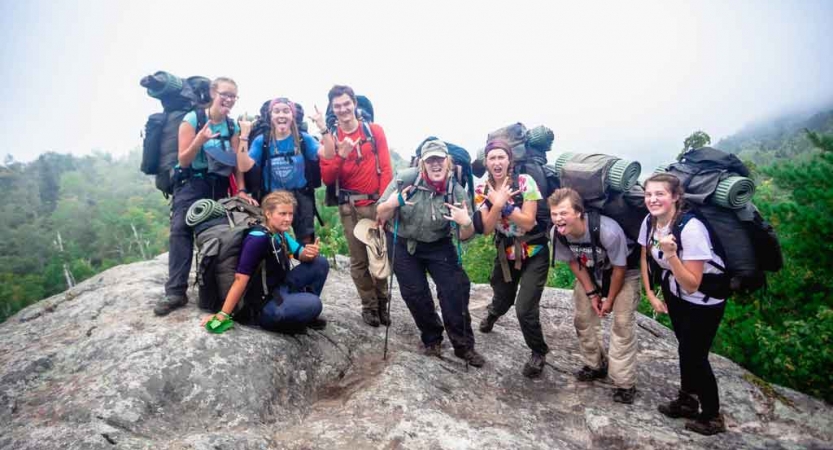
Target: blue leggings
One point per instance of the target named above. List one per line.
(292, 305)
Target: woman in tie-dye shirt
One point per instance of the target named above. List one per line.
(507, 204)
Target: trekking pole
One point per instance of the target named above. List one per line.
(390, 281)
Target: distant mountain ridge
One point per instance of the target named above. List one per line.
(768, 141)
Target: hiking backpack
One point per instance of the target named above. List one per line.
(745, 241)
(262, 127)
(160, 144)
(529, 157)
(219, 241)
(462, 164)
(608, 186)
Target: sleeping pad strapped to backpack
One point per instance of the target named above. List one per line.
(745, 241)
(218, 242)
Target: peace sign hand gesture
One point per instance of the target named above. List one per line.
(318, 119)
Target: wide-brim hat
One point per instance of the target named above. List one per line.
(374, 240)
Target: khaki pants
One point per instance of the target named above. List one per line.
(371, 291)
(622, 354)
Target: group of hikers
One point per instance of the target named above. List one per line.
(421, 215)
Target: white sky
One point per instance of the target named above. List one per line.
(627, 78)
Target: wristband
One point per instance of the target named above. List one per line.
(245, 191)
(324, 132)
(228, 316)
(244, 139)
(592, 293)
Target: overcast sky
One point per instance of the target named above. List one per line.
(628, 78)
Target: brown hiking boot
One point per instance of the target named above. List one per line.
(370, 317)
(685, 405)
(708, 427)
(471, 357)
(535, 365)
(435, 349)
(488, 323)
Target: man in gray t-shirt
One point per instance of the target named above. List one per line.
(596, 249)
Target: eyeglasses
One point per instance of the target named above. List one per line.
(228, 95)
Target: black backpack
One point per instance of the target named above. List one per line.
(160, 145)
(745, 241)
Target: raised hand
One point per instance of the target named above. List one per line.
(459, 215)
(668, 245)
(344, 147)
(499, 197)
(318, 119)
(206, 135)
(245, 125)
(312, 250)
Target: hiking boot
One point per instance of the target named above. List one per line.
(707, 426)
(624, 395)
(685, 405)
(535, 365)
(435, 349)
(319, 323)
(471, 357)
(488, 323)
(589, 374)
(384, 315)
(370, 317)
(169, 303)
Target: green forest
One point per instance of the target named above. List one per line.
(67, 218)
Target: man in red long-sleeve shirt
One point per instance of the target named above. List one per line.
(355, 158)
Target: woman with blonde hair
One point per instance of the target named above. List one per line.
(208, 140)
(292, 301)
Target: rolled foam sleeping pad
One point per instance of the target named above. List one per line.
(540, 137)
(164, 84)
(202, 210)
(622, 176)
(734, 192)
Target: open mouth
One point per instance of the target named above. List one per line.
(561, 227)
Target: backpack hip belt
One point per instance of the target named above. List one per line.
(502, 242)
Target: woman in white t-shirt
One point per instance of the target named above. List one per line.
(695, 317)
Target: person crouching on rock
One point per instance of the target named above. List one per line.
(596, 249)
(292, 296)
(507, 205)
(426, 201)
(683, 266)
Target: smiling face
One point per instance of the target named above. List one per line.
(436, 168)
(281, 116)
(567, 220)
(279, 219)
(497, 163)
(224, 97)
(344, 108)
(659, 199)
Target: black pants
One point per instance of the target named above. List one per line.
(532, 277)
(181, 240)
(439, 259)
(695, 327)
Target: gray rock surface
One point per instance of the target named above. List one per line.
(92, 368)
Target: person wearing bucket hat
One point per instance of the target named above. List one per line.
(431, 208)
(288, 152)
(206, 160)
(355, 164)
(507, 205)
(292, 301)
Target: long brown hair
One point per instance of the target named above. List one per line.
(675, 187)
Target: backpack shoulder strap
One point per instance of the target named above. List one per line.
(201, 118)
(368, 135)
